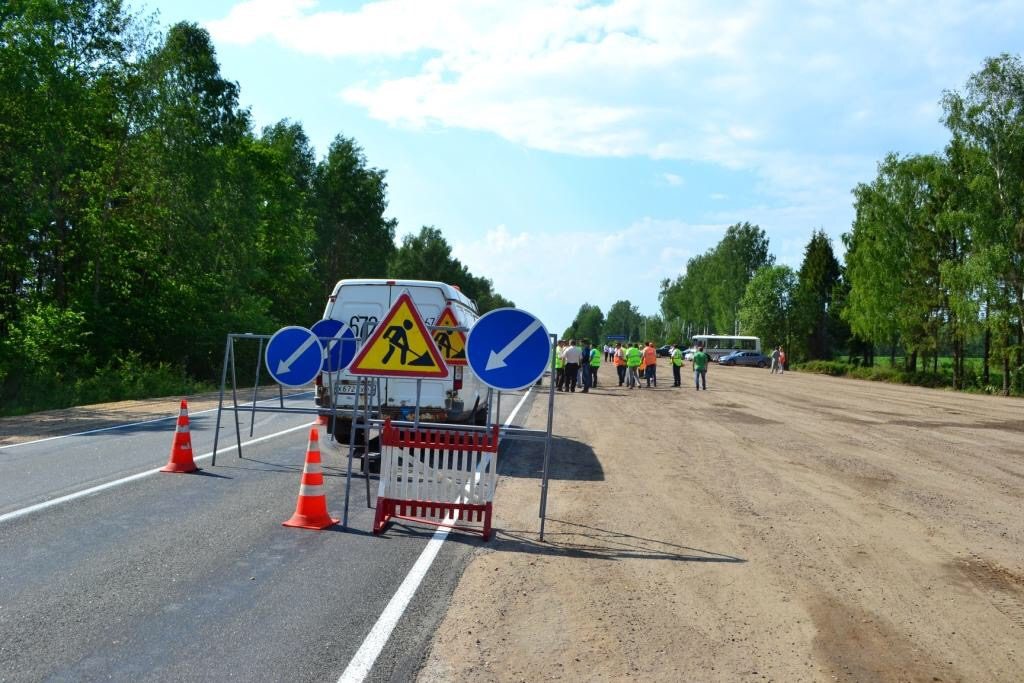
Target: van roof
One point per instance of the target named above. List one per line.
(450, 292)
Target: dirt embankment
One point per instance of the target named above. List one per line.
(786, 528)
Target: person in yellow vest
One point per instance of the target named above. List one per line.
(633, 360)
(559, 365)
(595, 364)
(677, 364)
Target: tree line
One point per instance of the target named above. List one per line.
(934, 261)
(142, 217)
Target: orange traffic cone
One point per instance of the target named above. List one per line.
(321, 420)
(311, 510)
(181, 448)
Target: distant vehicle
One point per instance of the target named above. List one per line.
(663, 351)
(752, 358)
(716, 345)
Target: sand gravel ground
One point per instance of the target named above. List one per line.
(782, 528)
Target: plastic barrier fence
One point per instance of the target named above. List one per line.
(440, 477)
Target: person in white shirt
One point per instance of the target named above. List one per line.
(571, 357)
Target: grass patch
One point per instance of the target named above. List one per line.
(125, 379)
(894, 374)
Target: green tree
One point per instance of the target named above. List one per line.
(988, 116)
(624, 318)
(428, 256)
(893, 258)
(706, 297)
(353, 237)
(60, 66)
(588, 324)
(816, 322)
(767, 304)
(741, 253)
(286, 163)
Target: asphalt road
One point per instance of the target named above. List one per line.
(185, 577)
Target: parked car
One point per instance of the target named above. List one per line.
(663, 351)
(753, 358)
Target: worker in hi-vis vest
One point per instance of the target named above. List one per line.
(559, 365)
(595, 363)
(619, 357)
(677, 363)
(633, 360)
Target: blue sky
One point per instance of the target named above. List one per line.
(578, 151)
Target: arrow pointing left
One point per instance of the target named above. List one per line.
(286, 364)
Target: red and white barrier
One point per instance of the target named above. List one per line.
(444, 477)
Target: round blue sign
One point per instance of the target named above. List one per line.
(294, 356)
(508, 349)
(339, 343)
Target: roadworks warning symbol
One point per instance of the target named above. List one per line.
(451, 343)
(400, 346)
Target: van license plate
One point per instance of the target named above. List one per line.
(355, 389)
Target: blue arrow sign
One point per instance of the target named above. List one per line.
(340, 343)
(294, 356)
(508, 349)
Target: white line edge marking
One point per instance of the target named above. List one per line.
(144, 422)
(118, 482)
(365, 657)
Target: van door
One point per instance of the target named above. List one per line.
(361, 308)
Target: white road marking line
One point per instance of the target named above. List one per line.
(144, 422)
(362, 662)
(118, 482)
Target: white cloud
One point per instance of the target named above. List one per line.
(768, 86)
(673, 179)
(569, 268)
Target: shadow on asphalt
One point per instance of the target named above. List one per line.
(207, 473)
(570, 460)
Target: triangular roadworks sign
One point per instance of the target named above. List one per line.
(451, 343)
(400, 346)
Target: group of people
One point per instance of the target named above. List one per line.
(577, 363)
(778, 356)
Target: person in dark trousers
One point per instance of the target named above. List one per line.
(559, 365)
(571, 356)
(585, 365)
(700, 368)
(619, 356)
(595, 365)
(677, 364)
(650, 364)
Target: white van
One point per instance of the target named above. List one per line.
(361, 304)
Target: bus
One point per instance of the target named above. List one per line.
(716, 345)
